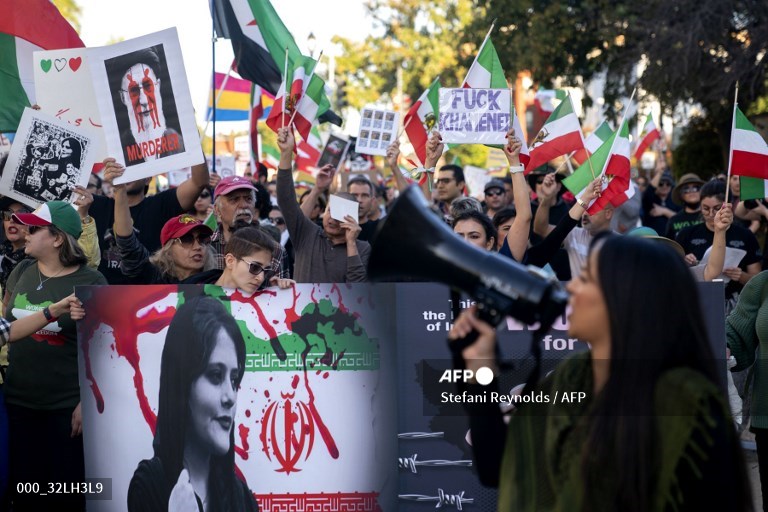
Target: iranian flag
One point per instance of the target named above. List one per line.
(593, 142)
(26, 27)
(308, 151)
(253, 121)
(611, 161)
(749, 152)
(270, 156)
(420, 119)
(486, 73)
(312, 103)
(560, 135)
(547, 99)
(649, 134)
(753, 188)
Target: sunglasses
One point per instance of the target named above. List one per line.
(7, 214)
(688, 190)
(665, 184)
(34, 229)
(188, 240)
(443, 181)
(205, 195)
(492, 193)
(279, 221)
(255, 268)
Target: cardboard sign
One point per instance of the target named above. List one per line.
(474, 116)
(378, 129)
(334, 151)
(64, 89)
(48, 158)
(145, 106)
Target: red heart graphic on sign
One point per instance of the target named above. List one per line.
(74, 63)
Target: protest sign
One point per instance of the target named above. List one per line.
(311, 425)
(476, 178)
(224, 165)
(145, 106)
(341, 207)
(334, 151)
(64, 89)
(378, 129)
(49, 157)
(474, 116)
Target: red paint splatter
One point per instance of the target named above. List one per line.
(342, 307)
(325, 375)
(295, 382)
(266, 392)
(247, 413)
(335, 364)
(243, 431)
(290, 313)
(330, 443)
(102, 308)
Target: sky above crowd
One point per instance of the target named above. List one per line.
(103, 21)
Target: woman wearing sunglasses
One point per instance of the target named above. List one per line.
(184, 251)
(247, 263)
(203, 205)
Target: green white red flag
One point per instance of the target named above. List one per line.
(593, 142)
(308, 151)
(749, 152)
(546, 100)
(26, 27)
(486, 73)
(421, 118)
(560, 135)
(611, 161)
(649, 134)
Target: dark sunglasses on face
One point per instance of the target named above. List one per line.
(255, 268)
(665, 184)
(205, 195)
(496, 192)
(34, 229)
(7, 214)
(279, 221)
(189, 240)
(688, 190)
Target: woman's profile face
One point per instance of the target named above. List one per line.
(503, 230)
(473, 232)
(213, 398)
(588, 319)
(242, 276)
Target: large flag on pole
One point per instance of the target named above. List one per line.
(649, 134)
(259, 39)
(593, 142)
(308, 151)
(486, 73)
(26, 27)
(421, 118)
(255, 114)
(560, 135)
(611, 161)
(546, 100)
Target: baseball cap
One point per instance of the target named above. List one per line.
(53, 213)
(494, 183)
(180, 226)
(231, 183)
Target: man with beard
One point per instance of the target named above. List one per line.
(686, 194)
(234, 205)
(149, 214)
(145, 132)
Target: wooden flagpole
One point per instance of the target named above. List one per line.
(730, 150)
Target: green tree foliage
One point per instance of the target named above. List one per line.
(699, 150)
(71, 11)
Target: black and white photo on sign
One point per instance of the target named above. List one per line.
(375, 137)
(145, 105)
(335, 151)
(49, 157)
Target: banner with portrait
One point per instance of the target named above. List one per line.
(313, 420)
(146, 109)
(48, 158)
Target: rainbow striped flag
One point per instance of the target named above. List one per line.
(235, 100)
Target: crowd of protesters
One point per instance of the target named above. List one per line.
(252, 232)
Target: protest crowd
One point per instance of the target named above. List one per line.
(555, 205)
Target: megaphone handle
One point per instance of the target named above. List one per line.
(458, 345)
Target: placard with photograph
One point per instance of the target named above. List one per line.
(145, 105)
(49, 157)
(334, 151)
(378, 128)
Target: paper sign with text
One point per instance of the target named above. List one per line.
(378, 129)
(146, 109)
(474, 116)
(64, 89)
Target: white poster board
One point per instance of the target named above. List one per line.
(378, 129)
(64, 89)
(225, 165)
(476, 178)
(146, 109)
(474, 116)
(49, 157)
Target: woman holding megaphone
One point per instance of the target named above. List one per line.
(653, 432)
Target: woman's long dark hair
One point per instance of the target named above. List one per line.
(667, 331)
(189, 343)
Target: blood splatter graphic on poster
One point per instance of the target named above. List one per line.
(306, 424)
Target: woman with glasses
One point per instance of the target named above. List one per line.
(203, 205)
(42, 390)
(184, 247)
(12, 248)
(248, 258)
